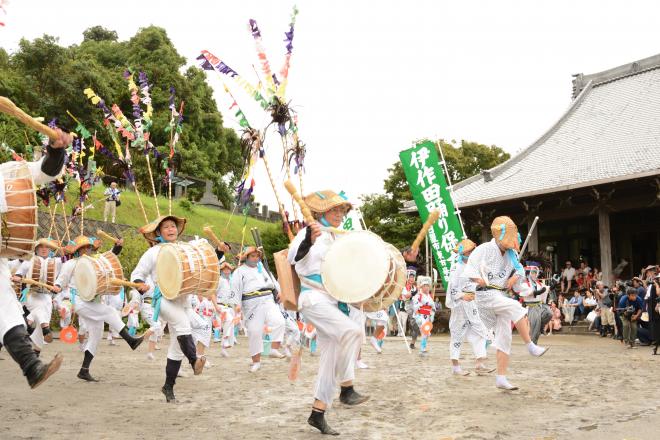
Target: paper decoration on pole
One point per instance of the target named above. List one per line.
(429, 189)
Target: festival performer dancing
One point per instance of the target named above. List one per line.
(291, 331)
(94, 313)
(423, 308)
(534, 296)
(116, 303)
(144, 304)
(39, 301)
(167, 229)
(464, 321)
(13, 333)
(201, 321)
(339, 336)
(377, 339)
(227, 301)
(256, 288)
(495, 268)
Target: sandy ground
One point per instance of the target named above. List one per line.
(584, 387)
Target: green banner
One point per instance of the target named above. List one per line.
(428, 186)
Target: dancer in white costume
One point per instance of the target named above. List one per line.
(291, 331)
(13, 333)
(464, 322)
(256, 287)
(94, 313)
(201, 320)
(380, 317)
(339, 337)
(166, 229)
(423, 308)
(494, 268)
(227, 301)
(535, 295)
(145, 306)
(116, 303)
(39, 300)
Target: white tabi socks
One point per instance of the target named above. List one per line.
(502, 383)
(535, 350)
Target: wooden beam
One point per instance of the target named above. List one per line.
(605, 244)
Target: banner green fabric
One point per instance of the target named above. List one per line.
(428, 186)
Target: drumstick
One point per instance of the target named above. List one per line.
(125, 283)
(433, 217)
(8, 107)
(37, 283)
(107, 236)
(214, 239)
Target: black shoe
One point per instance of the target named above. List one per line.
(412, 346)
(44, 371)
(84, 375)
(130, 340)
(317, 420)
(168, 390)
(351, 397)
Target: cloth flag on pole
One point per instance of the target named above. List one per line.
(428, 186)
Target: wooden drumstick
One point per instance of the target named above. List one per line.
(214, 238)
(32, 282)
(433, 217)
(307, 214)
(125, 283)
(8, 107)
(107, 236)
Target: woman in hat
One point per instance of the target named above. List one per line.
(227, 301)
(93, 313)
(494, 268)
(39, 301)
(464, 321)
(339, 336)
(256, 288)
(534, 295)
(166, 229)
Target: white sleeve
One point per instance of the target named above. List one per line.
(295, 244)
(145, 266)
(64, 277)
(236, 285)
(472, 267)
(39, 176)
(24, 268)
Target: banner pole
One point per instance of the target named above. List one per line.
(457, 208)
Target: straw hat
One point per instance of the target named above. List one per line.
(505, 232)
(464, 246)
(224, 265)
(149, 231)
(49, 243)
(324, 201)
(82, 241)
(248, 250)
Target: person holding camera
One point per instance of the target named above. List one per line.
(111, 202)
(630, 309)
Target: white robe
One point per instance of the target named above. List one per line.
(339, 337)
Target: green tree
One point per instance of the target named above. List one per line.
(99, 33)
(382, 211)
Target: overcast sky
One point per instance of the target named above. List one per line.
(369, 77)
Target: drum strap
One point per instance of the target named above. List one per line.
(156, 298)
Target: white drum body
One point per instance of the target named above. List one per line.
(185, 268)
(359, 267)
(93, 274)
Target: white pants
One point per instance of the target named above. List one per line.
(111, 332)
(339, 338)
(40, 306)
(506, 311)
(260, 312)
(95, 314)
(228, 327)
(403, 319)
(465, 324)
(11, 311)
(174, 312)
(201, 328)
(147, 312)
(477, 342)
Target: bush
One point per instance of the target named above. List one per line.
(274, 240)
(186, 205)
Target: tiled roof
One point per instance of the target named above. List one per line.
(610, 132)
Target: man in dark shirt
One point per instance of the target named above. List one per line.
(630, 308)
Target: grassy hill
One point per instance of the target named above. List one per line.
(197, 216)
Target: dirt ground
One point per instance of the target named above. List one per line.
(583, 388)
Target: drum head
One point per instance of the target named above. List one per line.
(85, 277)
(169, 271)
(355, 267)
